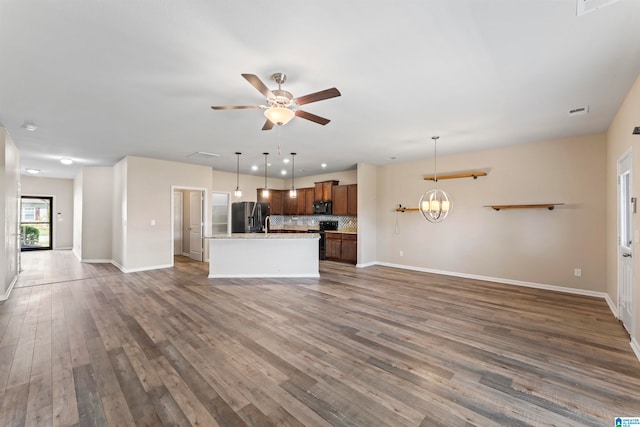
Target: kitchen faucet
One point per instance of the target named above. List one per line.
(267, 221)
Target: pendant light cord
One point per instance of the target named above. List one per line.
(435, 157)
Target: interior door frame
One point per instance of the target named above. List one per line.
(619, 261)
(51, 199)
(204, 201)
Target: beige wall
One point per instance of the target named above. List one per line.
(367, 214)
(225, 182)
(525, 245)
(9, 205)
(149, 197)
(77, 215)
(97, 214)
(619, 140)
(119, 213)
(62, 192)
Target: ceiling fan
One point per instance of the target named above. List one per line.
(281, 105)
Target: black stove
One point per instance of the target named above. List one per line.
(330, 225)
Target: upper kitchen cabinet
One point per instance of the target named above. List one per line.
(309, 197)
(345, 200)
(352, 200)
(324, 190)
(274, 200)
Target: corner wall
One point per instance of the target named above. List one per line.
(9, 207)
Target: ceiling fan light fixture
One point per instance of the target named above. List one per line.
(279, 115)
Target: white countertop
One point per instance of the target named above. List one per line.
(262, 236)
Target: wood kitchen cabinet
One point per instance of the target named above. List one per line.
(340, 195)
(274, 200)
(324, 190)
(302, 200)
(333, 246)
(352, 199)
(309, 199)
(342, 247)
(290, 205)
(345, 200)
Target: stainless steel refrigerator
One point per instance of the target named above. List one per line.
(248, 217)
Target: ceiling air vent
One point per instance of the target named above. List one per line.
(580, 111)
(585, 6)
(202, 155)
(636, 130)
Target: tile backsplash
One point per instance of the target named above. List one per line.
(311, 221)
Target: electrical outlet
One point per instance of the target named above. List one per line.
(577, 272)
(401, 253)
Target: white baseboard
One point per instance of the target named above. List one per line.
(135, 270)
(635, 347)
(612, 306)
(97, 261)
(9, 289)
(76, 254)
(501, 280)
(366, 264)
(63, 248)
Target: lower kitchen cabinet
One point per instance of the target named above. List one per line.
(342, 247)
(350, 248)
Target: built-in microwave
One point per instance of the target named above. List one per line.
(322, 207)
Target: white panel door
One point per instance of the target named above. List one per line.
(195, 225)
(625, 242)
(177, 223)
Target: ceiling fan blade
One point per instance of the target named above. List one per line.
(268, 125)
(305, 115)
(318, 96)
(257, 83)
(238, 107)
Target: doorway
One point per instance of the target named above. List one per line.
(36, 223)
(187, 216)
(626, 207)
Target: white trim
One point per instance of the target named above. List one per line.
(500, 280)
(367, 264)
(76, 254)
(184, 254)
(635, 347)
(612, 306)
(97, 261)
(251, 276)
(63, 248)
(9, 289)
(135, 270)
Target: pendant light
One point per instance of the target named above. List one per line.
(435, 204)
(265, 190)
(292, 193)
(238, 191)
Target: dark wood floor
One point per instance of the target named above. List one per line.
(88, 345)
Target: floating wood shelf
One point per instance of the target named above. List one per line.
(406, 209)
(549, 206)
(473, 175)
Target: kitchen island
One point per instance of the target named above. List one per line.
(263, 255)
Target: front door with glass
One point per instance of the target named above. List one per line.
(36, 223)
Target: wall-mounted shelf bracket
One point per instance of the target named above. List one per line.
(403, 209)
(549, 206)
(473, 174)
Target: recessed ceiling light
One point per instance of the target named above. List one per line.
(283, 172)
(33, 171)
(30, 127)
(66, 161)
(324, 165)
(254, 167)
(285, 160)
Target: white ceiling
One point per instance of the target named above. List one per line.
(106, 79)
